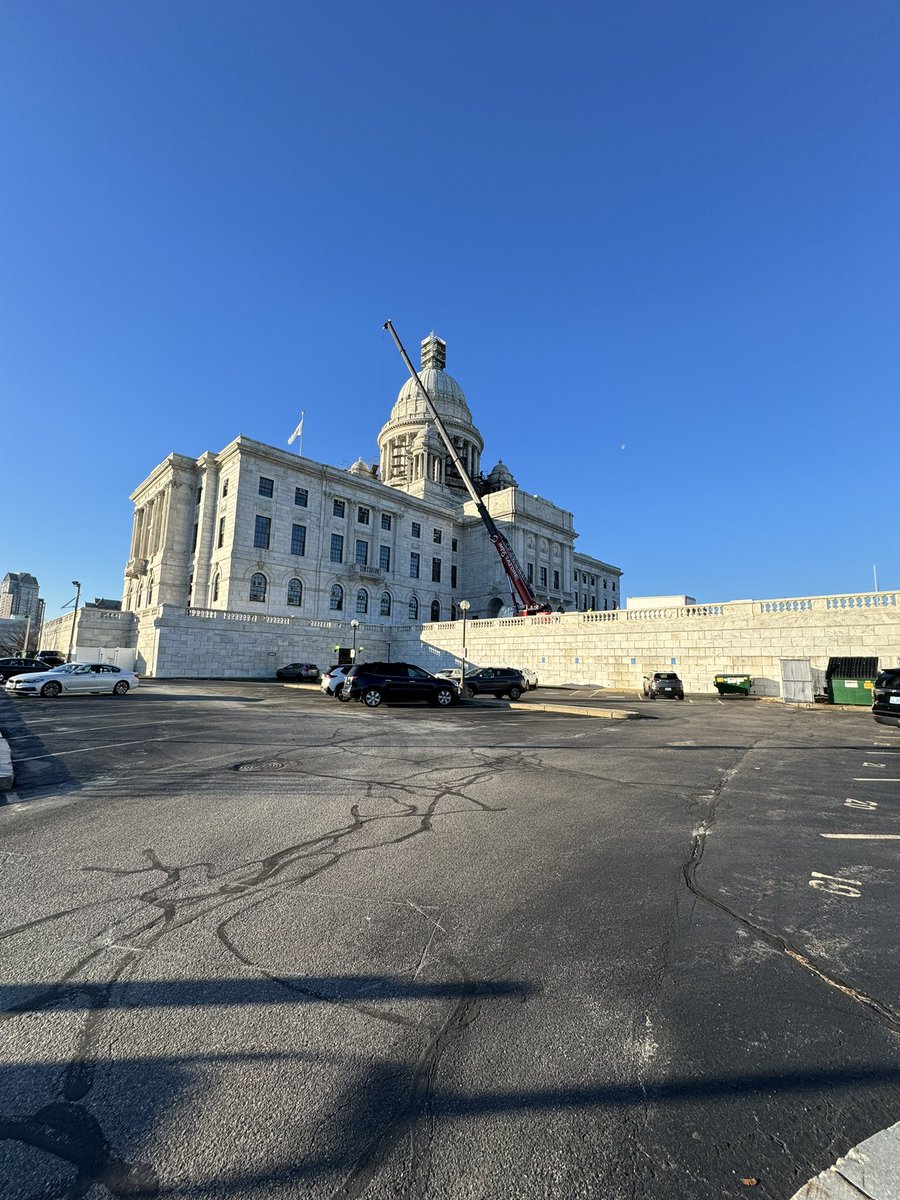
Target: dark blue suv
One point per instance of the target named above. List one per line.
(373, 682)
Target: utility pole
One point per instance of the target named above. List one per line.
(74, 619)
(27, 632)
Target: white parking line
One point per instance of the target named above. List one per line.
(92, 749)
(875, 779)
(21, 737)
(863, 837)
(879, 765)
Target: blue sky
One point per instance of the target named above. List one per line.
(661, 241)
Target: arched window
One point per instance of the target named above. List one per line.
(452, 612)
(295, 593)
(258, 586)
(149, 591)
(435, 610)
(385, 609)
(336, 603)
(140, 596)
(362, 601)
(215, 587)
(413, 608)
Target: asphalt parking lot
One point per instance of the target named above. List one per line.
(259, 943)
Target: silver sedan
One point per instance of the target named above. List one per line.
(73, 678)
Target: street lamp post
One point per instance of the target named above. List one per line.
(464, 607)
(354, 625)
(77, 586)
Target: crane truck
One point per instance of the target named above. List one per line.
(525, 602)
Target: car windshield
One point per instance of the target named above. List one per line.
(65, 668)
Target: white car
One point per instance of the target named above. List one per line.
(333, 680)
(73, 678)
(530, 676)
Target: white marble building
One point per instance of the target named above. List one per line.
(257, 529)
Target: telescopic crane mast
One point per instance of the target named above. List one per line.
(523, 597)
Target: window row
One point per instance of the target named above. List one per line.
(262, 535)
(259, 589)
(267, 489)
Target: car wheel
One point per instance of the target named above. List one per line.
(342, 693)
(444, 697)
(468, 692)
(51, 689)
(121, 687)
(514, 692)
(371, 697)
(681, 697)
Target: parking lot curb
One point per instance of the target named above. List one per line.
(6, 768)
(869, 1170)
(577, 710)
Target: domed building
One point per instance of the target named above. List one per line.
(255, 532)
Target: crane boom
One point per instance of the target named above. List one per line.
(522, 595)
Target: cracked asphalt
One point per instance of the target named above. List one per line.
(255, 943)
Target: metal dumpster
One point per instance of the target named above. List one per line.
(733, 685)
(850, 680)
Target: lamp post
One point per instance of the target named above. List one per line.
(77, 586)
(354, 625)
(464, 608)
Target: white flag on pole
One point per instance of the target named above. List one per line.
(298, 432)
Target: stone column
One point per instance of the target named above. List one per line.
(206, 532)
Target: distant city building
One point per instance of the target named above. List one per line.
(19, 599)
(254, 528)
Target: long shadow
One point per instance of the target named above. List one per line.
(43, 772)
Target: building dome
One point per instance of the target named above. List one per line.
(360, 467)
(447, 396)
(501, 477)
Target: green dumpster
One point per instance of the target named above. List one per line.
(850, 680)
(733, 685)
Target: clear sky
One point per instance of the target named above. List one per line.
(660, 239)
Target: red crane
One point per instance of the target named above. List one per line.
(523, 598)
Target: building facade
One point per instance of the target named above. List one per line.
(257, 529)
(19, 597)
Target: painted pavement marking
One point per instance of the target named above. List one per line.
(863, 837)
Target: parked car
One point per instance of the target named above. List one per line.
(21, 666)
(529, 675)
(663, 683)
(302, 672)
(495, 681)
(73, 678)
(371, 683)
(52, 658)
(454, 673)
(886, 697)
(332, 682)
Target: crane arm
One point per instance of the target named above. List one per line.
(522, 594)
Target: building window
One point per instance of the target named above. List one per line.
(435, 610)
(194, 538)
(529, 569)
(199, 495)
(384, 557)
(605, 602)
(414, 560)
(362, 552)
(301, 497)
(224, 489)
(416, 529)
(215, 587)
(543, 577)
(221, 539)
(452, 612)
(149, 591)
(337, 547)
(262, 533)
(298, 539)
(593, 581)
(339, 508)
(604, 583)
(385, 607)
(362, 601)
(576, 576)
(336, 601)
(437, 536)
(453, 575)
(266, 486)
(413, 608)
(362, 515)
(556, 581)
(295, 593)
(435, 570)
(258, 585)
(614, 585)
(385, 521)
(593, 603)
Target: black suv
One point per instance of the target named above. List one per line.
(21, 666)
(373, 682)
(886, 697)
(496, 681)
